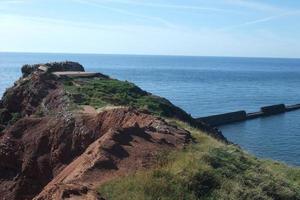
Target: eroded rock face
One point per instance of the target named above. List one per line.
(28, 93)
(50, 152)
(82, 151)
(33, 150)
(39, 93)
(69, 191)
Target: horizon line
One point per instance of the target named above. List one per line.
(136, 54)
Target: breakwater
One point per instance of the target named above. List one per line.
(242, 115)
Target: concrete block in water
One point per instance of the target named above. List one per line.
(274, 109)
(226, 118)
(292, 107)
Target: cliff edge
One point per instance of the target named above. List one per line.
(64, 131)
(70, 134)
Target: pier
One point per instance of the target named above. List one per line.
(242, 115)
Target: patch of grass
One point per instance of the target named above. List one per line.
(15, 117)
(100, 92)
(207, 169)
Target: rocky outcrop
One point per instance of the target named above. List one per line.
(36, 93)
(28, 93)
(52, 67)
(49, 151)
(130, 141)
(81, 150)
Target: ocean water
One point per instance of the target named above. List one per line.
(204, 86)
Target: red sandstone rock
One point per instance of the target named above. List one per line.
(52, 153)
(83, 151)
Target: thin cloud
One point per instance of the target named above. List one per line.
(262, 20)
(11, 18)
(45, 20)
(169, 6)
(125, 12)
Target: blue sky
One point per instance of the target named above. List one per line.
(268, 28)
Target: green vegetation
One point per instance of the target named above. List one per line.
(100, 92)
(207, 169)
(15, 117)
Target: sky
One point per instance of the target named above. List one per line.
(244, 28)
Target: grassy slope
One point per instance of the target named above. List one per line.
(100, 92)
(207, 169)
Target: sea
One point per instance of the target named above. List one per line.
(203, 86)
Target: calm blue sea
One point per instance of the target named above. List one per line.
(204, 86)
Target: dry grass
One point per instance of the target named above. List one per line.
(207, 169)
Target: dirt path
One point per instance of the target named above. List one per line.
(89, 110)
